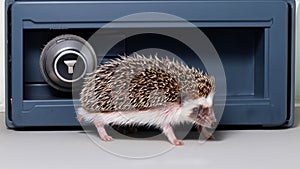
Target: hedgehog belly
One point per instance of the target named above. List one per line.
(170, 114)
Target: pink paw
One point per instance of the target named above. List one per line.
(177, 142)
(79, 118)
(106, 138)
(211, 137)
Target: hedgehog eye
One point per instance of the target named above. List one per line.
(196, 110)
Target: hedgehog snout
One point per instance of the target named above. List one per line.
(205, 116)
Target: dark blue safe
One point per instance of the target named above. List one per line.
(254, 39)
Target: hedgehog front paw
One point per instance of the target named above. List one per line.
(177, 142)
(205, 133)
(168, 131)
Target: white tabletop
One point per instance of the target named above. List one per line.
(235, 149)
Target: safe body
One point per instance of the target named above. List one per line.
(254, 39)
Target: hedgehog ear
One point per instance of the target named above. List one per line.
(184, 98)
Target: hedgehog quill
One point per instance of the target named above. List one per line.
(139, 90)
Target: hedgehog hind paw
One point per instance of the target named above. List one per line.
(101, 131)
(106, 138)
(79, 117)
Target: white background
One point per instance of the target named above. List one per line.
(2, 80)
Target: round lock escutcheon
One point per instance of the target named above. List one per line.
(65, 60)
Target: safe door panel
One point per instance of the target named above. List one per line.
(251, 39)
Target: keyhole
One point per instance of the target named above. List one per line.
(70, 64)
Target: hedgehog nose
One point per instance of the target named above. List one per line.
(213, 124)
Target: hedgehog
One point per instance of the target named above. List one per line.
(149, 91)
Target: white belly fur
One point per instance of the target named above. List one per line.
(153, 117)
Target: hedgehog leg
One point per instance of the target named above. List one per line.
(168, 131)
(101, 130)
(205, 133)
(79, 117)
